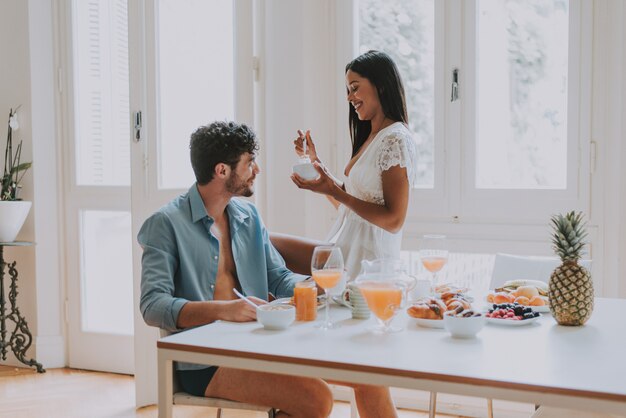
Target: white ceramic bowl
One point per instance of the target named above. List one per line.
(306, 170)
(278, 316)
(461, 327)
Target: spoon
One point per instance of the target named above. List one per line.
(304, 144)
(241, 296)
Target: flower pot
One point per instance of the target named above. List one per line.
(12, 217)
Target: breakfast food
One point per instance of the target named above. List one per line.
(320, 301)
(511, 311)
(427, 309)
(513, 285)
(457, 304)
(275, 307)
(571, 285)
(522, 292)
(468, 313)
(448, 289)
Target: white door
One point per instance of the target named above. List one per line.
(97, 185)
(191, 63)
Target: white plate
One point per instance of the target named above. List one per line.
(321, 301)
(510, 322)
(429, 323)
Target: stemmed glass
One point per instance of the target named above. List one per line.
(434, 254)
(327, 268)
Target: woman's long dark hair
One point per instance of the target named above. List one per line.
(382, 72)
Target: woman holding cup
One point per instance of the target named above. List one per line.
(373, 196)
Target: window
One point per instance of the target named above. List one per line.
(101, 109)
(192, 37)
(521, 94)
(406, 31)
(509, 148)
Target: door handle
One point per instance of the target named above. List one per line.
(138, 125)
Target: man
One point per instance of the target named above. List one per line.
(203, 244)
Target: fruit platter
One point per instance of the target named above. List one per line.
(530, 293)
(511, 314)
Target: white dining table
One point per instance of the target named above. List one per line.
(542, 363)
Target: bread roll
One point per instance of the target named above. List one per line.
(429, 309)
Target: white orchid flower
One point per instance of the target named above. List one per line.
(13, 123)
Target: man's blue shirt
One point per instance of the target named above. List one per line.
(180, 255)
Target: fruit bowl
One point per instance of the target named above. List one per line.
(463, 327)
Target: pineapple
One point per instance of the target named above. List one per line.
(570, 288)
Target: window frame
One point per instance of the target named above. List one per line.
(496, 218)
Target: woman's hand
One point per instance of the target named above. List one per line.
(310, 146)
(324, 184)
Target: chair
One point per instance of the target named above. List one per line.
(512, 267)
(183, 398)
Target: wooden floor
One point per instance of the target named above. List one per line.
(70, 393)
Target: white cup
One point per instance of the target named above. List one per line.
(305, 169)
(353, 299)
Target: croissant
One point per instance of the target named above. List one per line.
(429, 309)
(457, 304)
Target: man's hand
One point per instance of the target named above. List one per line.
(239, 311)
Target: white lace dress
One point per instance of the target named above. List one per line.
(358, 238)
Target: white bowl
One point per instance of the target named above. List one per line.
(306, 170)
(461, 327)
(278, 316)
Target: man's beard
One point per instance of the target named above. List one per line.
(239, 187)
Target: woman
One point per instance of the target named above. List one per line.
(374, 196)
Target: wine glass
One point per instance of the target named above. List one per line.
(433, 254)
(327, 268)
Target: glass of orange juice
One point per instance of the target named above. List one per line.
(433, 254)
(327, 268)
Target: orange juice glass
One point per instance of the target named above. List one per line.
(327, 279)
(434, 264)
(305, 298)
(327, 268)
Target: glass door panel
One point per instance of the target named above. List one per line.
(522, 86)
(101, 102)
(97, 187)
(196, 78)
(406, 31)
(107, 272)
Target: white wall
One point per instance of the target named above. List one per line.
(15, 90)
(609, 133)
(27, 79)
(622, 175)
(297, 72)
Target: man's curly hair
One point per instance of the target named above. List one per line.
(219, 142)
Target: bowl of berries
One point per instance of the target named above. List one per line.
(512, 314)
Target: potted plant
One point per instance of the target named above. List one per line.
(13, 210)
